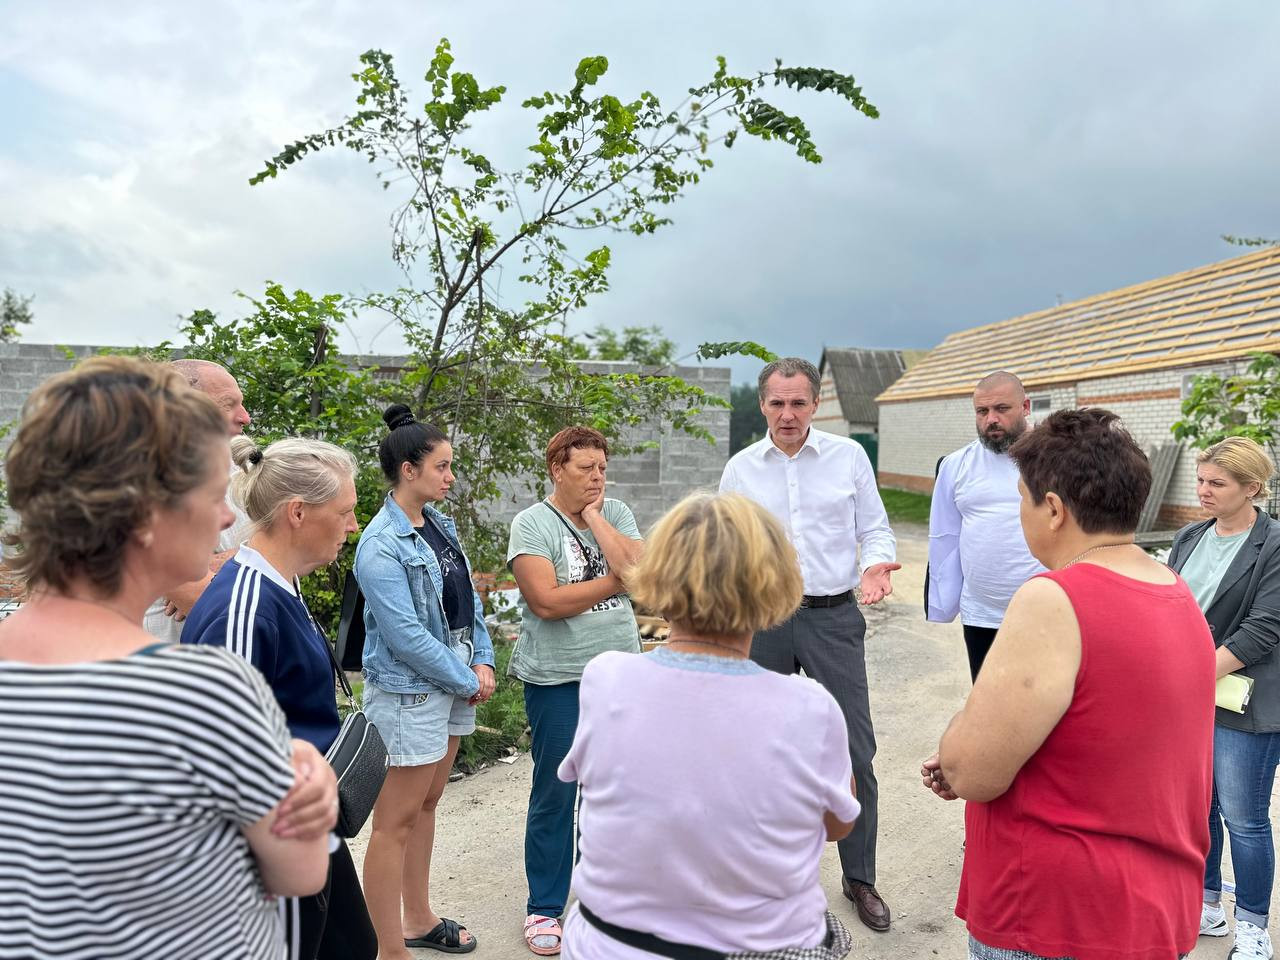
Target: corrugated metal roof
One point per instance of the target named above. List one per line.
(860, 376)
(1211, 313)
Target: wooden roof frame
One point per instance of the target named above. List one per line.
(1219, 311)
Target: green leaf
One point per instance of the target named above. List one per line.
(744, 348)
(590, 69)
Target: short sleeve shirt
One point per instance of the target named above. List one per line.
(556, 651)
(711, 830)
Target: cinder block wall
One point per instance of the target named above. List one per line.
(650, 482)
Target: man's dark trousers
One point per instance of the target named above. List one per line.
(827, 644)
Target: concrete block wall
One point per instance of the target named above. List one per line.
(650, 481)
(24, 366)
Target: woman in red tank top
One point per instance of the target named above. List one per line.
(1085, 747)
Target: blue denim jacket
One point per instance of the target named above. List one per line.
(404, 621)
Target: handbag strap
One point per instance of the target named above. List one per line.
(328, 647)
(582, 544)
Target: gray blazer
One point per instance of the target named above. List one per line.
(1245, 615)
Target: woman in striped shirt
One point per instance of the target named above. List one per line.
(151, 801)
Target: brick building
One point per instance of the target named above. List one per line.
(852, 378)
(1133, 350)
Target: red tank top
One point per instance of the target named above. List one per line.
(1097, 849)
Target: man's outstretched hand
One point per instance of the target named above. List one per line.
(875, 582)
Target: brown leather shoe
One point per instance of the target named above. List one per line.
(872, 910)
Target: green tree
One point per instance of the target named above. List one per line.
(746, 422)
(646, 346)
(1237, 405)
(499, 374)
(15, 310)
(296, 384)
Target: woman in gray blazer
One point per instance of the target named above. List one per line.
(1231, 562)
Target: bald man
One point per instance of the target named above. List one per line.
(163, 620)
(977, 554)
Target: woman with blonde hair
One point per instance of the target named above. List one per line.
(149, 805)
(300, 497)
(1231, 562)
(707, 840)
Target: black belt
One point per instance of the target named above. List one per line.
(807, 602)
(647, 942)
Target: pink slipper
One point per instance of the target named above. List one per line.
(540, 928)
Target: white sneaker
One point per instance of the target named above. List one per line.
(1213, 920)
(1252, 942)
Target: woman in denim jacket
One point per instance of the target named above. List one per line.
(428, 661)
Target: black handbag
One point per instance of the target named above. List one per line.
(359, 759)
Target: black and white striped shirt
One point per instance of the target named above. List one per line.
(123, 787)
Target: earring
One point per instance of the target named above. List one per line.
(147, 538)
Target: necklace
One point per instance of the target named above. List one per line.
(729, 651)
(1101, 546)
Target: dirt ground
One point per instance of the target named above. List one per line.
(919, 678)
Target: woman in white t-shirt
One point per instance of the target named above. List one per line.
(710, 785)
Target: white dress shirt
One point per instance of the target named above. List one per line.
(978, 557)
(827, 501)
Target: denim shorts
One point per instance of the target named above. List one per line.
(416, 727)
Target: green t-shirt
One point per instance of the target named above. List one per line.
(556, 651)
(1208, 563)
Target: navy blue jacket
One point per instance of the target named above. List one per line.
(252, 610)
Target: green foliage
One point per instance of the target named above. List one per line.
(500, 375)
(746, 348)
(15, 310)
(1239, 405)
(746, 422)
(646, 346)
(295, 384)
(905, 507)
(1249, 241)
(503, 712)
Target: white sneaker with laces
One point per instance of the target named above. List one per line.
(1213, 920)
(1252, 942)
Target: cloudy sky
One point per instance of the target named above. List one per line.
(1026, 152)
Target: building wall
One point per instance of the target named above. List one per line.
(915, 433)
(650, 481)
(829, 416)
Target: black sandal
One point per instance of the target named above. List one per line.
(443, 937)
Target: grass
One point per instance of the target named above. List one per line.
(904, 507)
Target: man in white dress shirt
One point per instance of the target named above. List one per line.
(977, 555)
(822, 489)
(163, 619)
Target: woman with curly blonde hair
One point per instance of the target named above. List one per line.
(710, 834)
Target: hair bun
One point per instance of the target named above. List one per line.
(398, 415)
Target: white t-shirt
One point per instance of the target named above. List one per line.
(978, 557)
(704, 784)
(169, 630)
